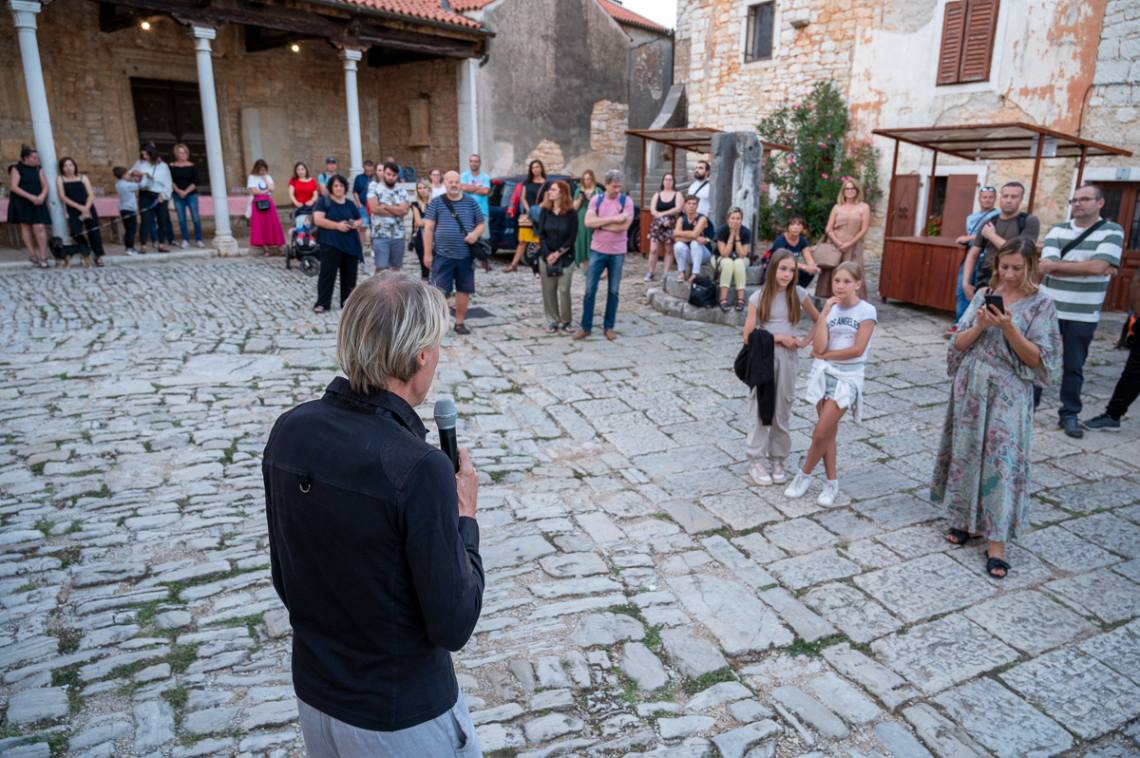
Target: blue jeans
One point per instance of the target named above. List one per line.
(961, 302)
(598, 263)
(181, 205)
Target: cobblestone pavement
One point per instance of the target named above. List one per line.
(643, 597)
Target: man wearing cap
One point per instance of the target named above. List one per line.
(329, 172)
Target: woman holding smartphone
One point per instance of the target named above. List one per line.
(1007, 340)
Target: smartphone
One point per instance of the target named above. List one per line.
(997, 301)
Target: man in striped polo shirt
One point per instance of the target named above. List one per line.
(1076, 277)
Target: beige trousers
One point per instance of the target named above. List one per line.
(775, 442)
(556, 294)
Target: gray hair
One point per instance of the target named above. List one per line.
(386, 323)
(734, 209)
(614, 175)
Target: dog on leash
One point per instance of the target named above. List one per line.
(63, 252)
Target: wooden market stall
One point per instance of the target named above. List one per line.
(922, 269)
(697, 139)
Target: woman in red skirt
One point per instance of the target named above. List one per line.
(264, 225)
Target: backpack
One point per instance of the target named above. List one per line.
(982, 272)
(622, 197)
(702, 293)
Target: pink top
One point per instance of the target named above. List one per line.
(604, 240)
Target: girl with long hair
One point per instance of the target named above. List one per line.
(840, 343)
(79, 200)
(664, 206)
(587, 189)
(419, 208)
(846, 227)
(777, 308)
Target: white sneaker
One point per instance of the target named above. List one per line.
(779, 476)
(199, 243)
(827, 496)
(759, 473)
(132, 251)
(799, 485)
(184, 244)
(648, 276)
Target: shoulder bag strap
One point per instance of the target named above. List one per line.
(1083, 236)
(454, 215)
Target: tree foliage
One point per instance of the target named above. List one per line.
(807, 180)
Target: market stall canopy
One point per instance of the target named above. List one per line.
(697, 139)
(981, 142)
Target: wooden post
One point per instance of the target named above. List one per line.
(643, 243)
(891, 191)
(674, 169)
(1081, 165)
(1036, 171)
(930, 195)
(644, 157)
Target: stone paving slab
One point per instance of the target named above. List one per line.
(644, 597)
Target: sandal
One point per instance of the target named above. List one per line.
(960, 537)
(724, 306)
(996, 564)
(739, 305)
(319, 309)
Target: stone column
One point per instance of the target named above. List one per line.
(224, 241)
(736, 169)
(351, 57)
(24, 17)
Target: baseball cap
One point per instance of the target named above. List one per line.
(330, 159)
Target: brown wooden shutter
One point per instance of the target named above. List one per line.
(953, 31)
(978, 45)
(959, 203)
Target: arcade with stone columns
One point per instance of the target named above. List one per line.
(235, 83)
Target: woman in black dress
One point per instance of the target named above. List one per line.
(27, 204)
(79, 200)
(337, 219)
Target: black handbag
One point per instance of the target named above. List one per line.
(261, 203)
(480, 250)
(702, 294)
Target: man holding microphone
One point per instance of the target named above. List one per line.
(373, 540)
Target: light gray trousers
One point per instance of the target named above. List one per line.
(449, 734)
(774, 442)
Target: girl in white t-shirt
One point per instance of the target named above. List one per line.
(840, 344)
(776, 308)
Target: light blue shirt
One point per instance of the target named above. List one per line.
(482, 180)
(128, 200)
(975, 221)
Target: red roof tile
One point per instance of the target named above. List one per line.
(428, 10)
(624, 15)
(470, 5)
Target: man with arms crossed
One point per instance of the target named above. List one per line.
(1077, 268)
(373, 541)
(1010, 223)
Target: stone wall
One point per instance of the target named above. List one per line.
(608, 122)
(550, 63)
(298, 98)
(1113, 108)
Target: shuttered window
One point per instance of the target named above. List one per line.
(758, 42)
(968, 28)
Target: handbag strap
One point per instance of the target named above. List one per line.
(1083, 236)
(454, 215)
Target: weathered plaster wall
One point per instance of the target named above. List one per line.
(1042, 68)
(301, 96)
(550, 63)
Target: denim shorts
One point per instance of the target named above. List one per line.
(453, 273)
(388, 253)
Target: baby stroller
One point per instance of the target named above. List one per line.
(303, 243)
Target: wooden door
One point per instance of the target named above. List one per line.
(904, 204)
(167, 113)
(959, 203)
(1122, 205)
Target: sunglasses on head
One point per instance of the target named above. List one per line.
(988, 188)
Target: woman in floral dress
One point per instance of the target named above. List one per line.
(981, 472)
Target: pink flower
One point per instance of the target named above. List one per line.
(823, 176)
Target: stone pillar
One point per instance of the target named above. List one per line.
(24, 17)
(224, 241)
(351, 57)
(736, 174)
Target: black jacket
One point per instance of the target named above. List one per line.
(380, 575)
(762, 372)
(557, 233)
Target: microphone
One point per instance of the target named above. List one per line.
(445, 415)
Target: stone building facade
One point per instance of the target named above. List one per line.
(235, 82)
(1063, 64)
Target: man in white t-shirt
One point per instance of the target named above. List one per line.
(699, 187)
